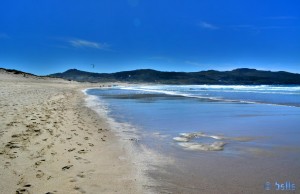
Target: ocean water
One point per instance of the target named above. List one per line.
(205, 130)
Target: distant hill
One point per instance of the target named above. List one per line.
(17, 72)
(237, 76)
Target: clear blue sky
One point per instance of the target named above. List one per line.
(49, 36)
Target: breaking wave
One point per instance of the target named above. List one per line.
(262, 94)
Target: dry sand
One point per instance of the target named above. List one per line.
(50, 142)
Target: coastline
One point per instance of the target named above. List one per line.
(127, 136)
(257, 137)
(52, 143)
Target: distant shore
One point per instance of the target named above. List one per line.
(52, 143)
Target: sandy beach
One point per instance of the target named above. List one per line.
(52, 143)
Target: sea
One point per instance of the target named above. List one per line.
(208, 138)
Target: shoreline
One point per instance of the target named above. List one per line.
(51, 142)
(250, 157)
(127, 136)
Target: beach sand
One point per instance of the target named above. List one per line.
(50, 142)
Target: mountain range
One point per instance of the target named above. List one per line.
(237, 76)
(241, 76)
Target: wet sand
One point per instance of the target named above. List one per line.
(214, 173)
(50, 142)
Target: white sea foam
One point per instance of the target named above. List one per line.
(216, 137)
(189, 136)
(211, 136)
(256, 88)
(215, 146)
(181, 139)
(185, 138)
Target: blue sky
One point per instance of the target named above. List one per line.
(44, 37)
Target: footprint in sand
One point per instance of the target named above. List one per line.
(16, 135)
(82, 151)
(72, 180)
(22, 191)
(66, 167)
(77, 157)
(90, 144)
(71, 150)
(79, 189)
(40, 174)
(39, 162)
(12, 145)
(7, 164)
(81, 175)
